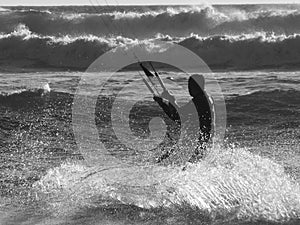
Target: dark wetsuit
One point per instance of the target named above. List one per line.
(200, 105)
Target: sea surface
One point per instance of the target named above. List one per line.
(72, 37)
(46, 177)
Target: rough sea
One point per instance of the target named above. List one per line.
(253, 52)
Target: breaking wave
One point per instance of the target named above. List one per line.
(146, 21)
(4, 10)
(27, 91)
(248, 51)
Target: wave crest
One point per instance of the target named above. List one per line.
(248, 51)
(145, 22)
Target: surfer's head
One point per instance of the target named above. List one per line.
(196, 85)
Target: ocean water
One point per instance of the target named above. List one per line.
(253, 178)
(230, 37)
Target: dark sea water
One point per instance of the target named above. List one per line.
(253, 178)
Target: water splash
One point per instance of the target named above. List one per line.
(228, 183)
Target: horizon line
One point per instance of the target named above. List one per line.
(267, 3)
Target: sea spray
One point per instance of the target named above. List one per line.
(228, 182)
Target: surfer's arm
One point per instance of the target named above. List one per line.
(170, 108)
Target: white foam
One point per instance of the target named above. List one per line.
(229, 182)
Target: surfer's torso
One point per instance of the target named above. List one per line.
(195, 119)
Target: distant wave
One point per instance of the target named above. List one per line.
(175, 21)
(253, 51)
(48, 51)
(280, 98)
(4, 10)
(25, 97)
(26, 92)
(266, 107)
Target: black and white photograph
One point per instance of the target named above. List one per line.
(126, 112)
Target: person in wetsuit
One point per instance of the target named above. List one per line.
(199, 104)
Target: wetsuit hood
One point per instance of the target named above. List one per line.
(196, 85)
